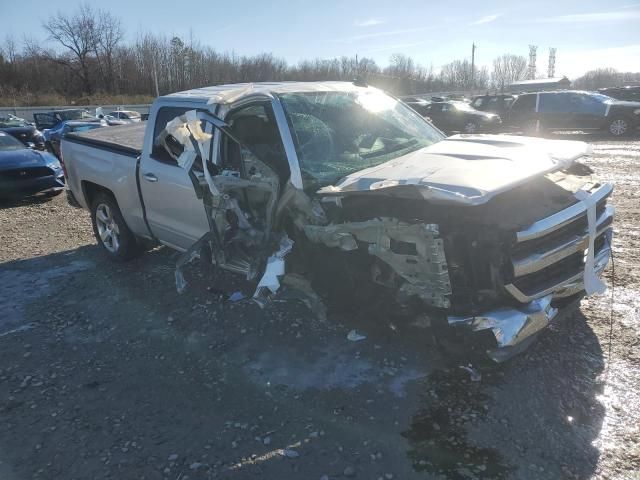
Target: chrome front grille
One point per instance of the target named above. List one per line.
(548, 256)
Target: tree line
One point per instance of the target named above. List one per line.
(86, 57)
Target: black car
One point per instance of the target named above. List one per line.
(23, 131)
(499, 104)
(417, 103)
(629, 93)
(24, 171)
(535, 113)
(461, 117)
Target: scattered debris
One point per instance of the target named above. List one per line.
(354, 336)
(475, 375)
(289, 453)
(236, 297)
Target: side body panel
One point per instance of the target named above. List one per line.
(114, 171)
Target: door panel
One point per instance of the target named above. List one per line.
(174, 212)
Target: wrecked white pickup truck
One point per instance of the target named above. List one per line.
(484, 234)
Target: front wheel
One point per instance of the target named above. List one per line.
(110, 229)
(619, 126)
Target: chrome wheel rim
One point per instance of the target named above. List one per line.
(470, 128)
(618, 127)
(107, 228)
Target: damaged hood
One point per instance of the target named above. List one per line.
(464, 169)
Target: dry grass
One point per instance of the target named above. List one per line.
(30, 99)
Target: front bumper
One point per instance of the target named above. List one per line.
(515, 328)
(31, 186)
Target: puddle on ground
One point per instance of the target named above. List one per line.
(437, 434)
(22, 286)
(326, 370)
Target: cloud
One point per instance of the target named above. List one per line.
(370, 22)
(397, 47)
(573, 63)
(613, 16)
(389, 33)
(486, 19)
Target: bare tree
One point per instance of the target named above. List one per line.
(77, 34)
(106, 36)
(508, 68)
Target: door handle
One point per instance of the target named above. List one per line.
(150, 177)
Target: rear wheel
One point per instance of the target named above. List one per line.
(532, 128)
(619, 126)
(110, 229)
(470, 127)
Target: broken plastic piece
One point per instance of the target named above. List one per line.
(273, 270)
(354, 336)
(592, 283)
(475, 375)
(236, 297)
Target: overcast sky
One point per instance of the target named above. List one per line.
(587, 33)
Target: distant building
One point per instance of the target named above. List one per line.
(557, 83)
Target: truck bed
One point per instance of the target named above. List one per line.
(123, 139)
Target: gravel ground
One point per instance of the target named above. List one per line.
(106, 372)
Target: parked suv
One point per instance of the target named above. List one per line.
(573, 110)
(499, 104)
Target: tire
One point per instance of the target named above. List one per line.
(532, 128)
(470, 127)
(619, 127)
(110, 229)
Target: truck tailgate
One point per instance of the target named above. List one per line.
(123, 139)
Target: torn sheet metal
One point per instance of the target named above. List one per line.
(187, 257)
(300, 288)
(415, 252)
(592, 283)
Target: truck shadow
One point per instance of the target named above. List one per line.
(536, 416)
(15, 202)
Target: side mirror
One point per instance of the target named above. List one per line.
(31, 145)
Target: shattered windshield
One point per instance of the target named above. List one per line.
(339, 133)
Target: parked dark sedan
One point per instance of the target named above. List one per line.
(573, 110)
(417, 103)
(23, 131)
(24, 171)
(461, 117)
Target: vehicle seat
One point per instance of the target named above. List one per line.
(263, 138)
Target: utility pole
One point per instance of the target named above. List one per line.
(155, 77)
(532, 61)
(473, 66)
(552, 63)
